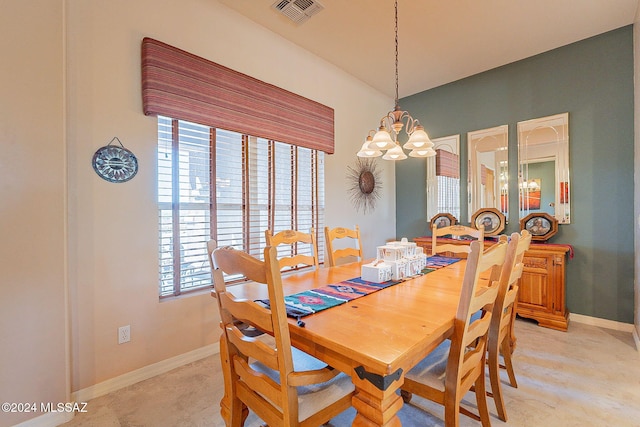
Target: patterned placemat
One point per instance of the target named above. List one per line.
(438, 261)
(314, 300)
(318, 299)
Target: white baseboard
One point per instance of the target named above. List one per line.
(603, 323)
(143, 373)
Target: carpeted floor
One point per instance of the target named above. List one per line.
(588, 376)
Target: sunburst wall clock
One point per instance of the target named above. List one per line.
(364, 184)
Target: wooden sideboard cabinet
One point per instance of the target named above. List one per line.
(542, 287)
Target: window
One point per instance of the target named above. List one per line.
(449, 195)
(259, 184)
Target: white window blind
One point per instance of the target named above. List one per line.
(449, 195)
(259, 185)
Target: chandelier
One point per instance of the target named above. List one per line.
(386, 138)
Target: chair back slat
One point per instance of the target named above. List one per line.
(246, 311)
(471, 360)
(333, 254)
(346, 252)
(486, 296)
(252, 347)
(258, 382)
(295, 240)
(454, 231)
(233, 263)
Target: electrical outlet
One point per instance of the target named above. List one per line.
(124, 334)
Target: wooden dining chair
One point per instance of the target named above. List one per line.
(265, 376)
(458, 364)
(294, 255)
(455, 231)
(335, 254)
(502, 321)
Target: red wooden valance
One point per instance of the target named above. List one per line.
(447, 164)
(184, 86)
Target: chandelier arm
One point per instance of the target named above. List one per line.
(400, 117)
(411, 124)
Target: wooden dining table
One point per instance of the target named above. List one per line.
(377, 338)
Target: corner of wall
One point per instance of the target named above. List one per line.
(636, 120)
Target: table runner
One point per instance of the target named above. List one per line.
(314, 300)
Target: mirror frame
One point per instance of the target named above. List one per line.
(497, 136)
(552, 144)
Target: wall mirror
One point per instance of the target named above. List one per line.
(443, 177)
(488, 173)
(543, 174)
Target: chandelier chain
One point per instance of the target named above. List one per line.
(396, 30)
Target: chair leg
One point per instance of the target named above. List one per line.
(406, 396)
(233, 411)
(452, 413)
(506, 355)
(496, 387)
(481, 398)
(225, 403)
(239, 413)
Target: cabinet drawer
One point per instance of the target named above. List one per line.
(536, 262)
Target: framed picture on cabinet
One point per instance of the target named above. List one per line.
(491, 220)
(541, 225)
(442, 220)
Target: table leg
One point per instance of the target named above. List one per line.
(376, 406)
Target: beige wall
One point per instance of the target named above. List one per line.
(33, 351)
(113, 227)
(56, 212)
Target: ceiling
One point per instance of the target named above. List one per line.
(439, 41)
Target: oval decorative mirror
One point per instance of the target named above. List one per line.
(443, 177)
(489, 169)
(543, 173)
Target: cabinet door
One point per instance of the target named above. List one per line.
(535, 294)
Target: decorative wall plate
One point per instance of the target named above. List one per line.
(115, 164)
(442, 220)
(541, 225)
(491, 220)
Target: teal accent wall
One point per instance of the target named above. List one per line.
(592, 80)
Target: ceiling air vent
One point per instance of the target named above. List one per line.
(297, 10)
